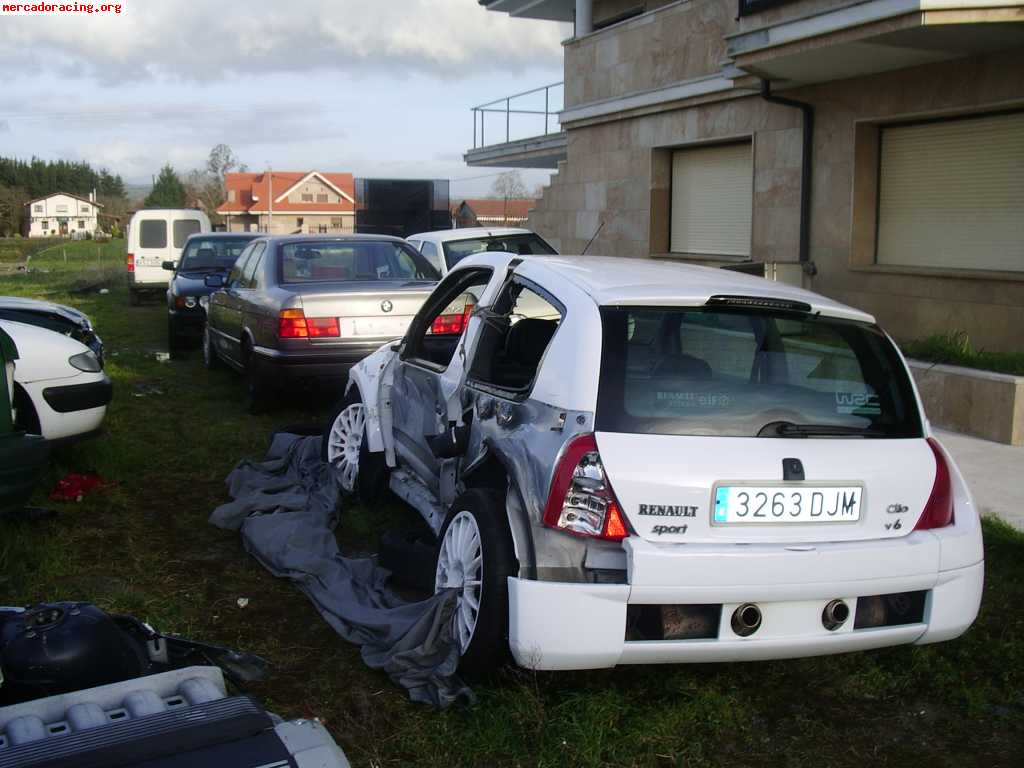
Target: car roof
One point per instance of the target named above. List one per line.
(216, 235)
(611, 281)
(468, 233)
(351, 238)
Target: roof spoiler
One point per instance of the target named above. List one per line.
(758, 302)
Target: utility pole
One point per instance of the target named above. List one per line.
(270, 201)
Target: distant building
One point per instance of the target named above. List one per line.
(63, 215)
(491, 212)
(286, 202)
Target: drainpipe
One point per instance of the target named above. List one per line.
(584, 17)
(806, 170)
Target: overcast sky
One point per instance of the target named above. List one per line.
(380, 88)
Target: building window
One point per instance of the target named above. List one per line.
(951, 194)
(321, 198)
(337, 222)
(38, 208)
(45, 224)
(85, 208)
(321, 229)
(81, 224)
(62, 209)
(298, 221)
(306, 198)
(712, 199)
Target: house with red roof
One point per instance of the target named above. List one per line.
(289, 202)
(492, 212)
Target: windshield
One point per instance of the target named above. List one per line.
(334, 261)
(527, 244)
(747, 373)
(212, 254)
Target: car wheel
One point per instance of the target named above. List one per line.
(210, 359)
(475, 555)
(258, 391)
(360, 472)
(174, 342)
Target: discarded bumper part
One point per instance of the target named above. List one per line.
(285, 508)
(79, 397)
(182, 718)
(587, 626)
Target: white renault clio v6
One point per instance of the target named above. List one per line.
(638, 462)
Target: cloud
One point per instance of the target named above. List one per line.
(5, 127)
(203, 40)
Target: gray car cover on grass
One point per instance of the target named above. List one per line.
(285, 508)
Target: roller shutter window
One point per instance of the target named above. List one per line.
(951, 194)
(712, 192)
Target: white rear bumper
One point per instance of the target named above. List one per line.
(556, 625)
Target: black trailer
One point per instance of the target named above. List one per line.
(402, 207)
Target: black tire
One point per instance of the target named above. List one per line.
(210, 359)
(134, 298)
(175, 344)
(488, 649)
(259, 393)
(371, 479)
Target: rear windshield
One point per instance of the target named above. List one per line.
(743, 373)
(525, 245)
(216, 254)
(153, 233)
(182, 229)
(313, 262)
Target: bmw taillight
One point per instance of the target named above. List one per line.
(453, 323)
(131, 262)
(293, 324)
(938, 512)
(581, 500)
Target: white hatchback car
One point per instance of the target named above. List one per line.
(633, 461)
(447, 247)
(60, 390)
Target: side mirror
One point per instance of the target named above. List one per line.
(168, 265)
(214, 281)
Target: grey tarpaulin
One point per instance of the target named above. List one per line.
(285, 507)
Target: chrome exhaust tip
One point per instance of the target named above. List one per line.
(746, 620)
(835, 615)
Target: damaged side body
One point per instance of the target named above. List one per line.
(446, 429)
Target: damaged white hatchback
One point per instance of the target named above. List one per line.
(637, 462)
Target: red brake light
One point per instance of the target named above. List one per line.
(455, 323)
(293, 324)
(581, 500)
(131, 262)
(179, 302)
(938, 512)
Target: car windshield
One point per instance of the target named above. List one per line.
(747, 373)
(339, 261)
(527, 244)
(214, 254)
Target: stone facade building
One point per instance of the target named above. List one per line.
(286, 203)
(872, 151)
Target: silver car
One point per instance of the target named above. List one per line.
(307, 307)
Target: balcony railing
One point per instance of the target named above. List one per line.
(541, 104)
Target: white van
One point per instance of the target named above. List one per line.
(155, 236)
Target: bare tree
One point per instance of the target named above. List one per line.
(207, 186)
(509, 186)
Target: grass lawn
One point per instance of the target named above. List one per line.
(144, 547)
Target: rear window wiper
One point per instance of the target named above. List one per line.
(792, 429)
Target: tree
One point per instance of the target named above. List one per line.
(207, 187)
(509, 186)
(167, 192)
(221, 162)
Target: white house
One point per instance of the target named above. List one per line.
(63, 215)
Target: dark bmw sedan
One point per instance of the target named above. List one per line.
(204, 254)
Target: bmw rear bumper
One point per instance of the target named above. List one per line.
(557, 625)
(327, 363)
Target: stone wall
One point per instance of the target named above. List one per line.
(617, 172)
(681, 41)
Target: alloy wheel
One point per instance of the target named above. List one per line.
(460, 565)
(343, 444)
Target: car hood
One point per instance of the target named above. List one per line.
(39, 307)
(192, 284)
(42, 354)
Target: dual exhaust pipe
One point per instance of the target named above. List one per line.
(746, 619)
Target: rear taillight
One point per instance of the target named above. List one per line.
(131, 262)
(581, 500)
(455, 323)
(938, 512)
(293, 324)
(179, 302)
